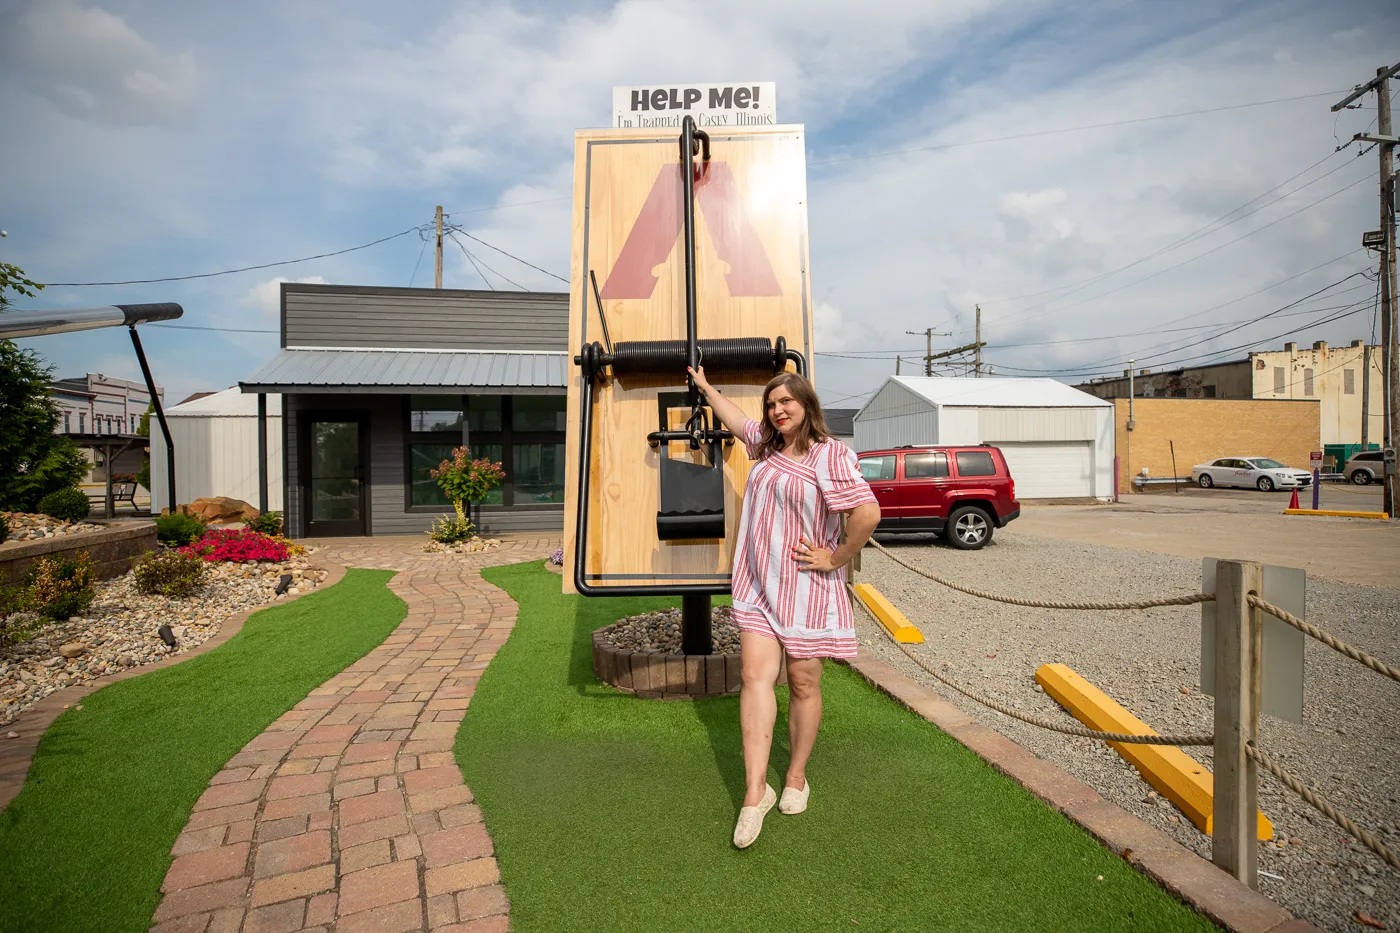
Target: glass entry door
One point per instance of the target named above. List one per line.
(334, 479)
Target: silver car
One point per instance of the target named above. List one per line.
(1365, 468)
(1259, 472)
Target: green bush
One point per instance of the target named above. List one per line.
(450, 529)
(268, 523)
(178, 530)
(169, 573)
(67, 505)
(60, 587)
(4, 528)
(14, 627)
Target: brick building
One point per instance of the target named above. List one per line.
(1335, 377)
(1204, 429)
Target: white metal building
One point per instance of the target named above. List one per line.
(1057, 440)
(216, 449)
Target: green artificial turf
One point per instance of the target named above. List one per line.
(614, 813)
(86, 844)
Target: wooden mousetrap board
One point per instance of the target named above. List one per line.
(751, 281)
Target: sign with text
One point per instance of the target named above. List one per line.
(711, 105)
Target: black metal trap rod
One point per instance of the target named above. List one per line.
(695, 624)
(689, 136)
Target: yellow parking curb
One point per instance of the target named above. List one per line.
(1340, 513)
(900, 628)
(1177, 776)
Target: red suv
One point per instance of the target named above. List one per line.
(961, 493)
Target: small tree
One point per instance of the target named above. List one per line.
(34, 461)
(463, 479)
(143, 476)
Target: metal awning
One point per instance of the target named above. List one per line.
(325, 370)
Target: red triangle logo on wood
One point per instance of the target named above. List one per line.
(657, 228)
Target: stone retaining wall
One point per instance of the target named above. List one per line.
(112, 550)
(653, 675)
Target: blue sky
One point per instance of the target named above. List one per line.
(148, 139)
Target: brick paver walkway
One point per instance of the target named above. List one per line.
(349, 813)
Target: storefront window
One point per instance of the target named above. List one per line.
(539, 473)
(484, 412)
(431, 413)
(538, 412)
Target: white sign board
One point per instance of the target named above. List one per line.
(712, 105)
(1281, 667)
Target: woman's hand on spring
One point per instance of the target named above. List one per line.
(813, 558)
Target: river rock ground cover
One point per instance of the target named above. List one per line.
(28, 526)
(119, 630)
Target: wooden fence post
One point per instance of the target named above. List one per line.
(1238, 647)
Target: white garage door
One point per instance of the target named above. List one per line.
(1051, 469)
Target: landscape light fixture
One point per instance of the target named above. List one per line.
(167, 636)
(282, 583)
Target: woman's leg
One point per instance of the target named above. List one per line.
(804, 715)
(758, 709)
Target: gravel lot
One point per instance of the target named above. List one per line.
(1347, 747)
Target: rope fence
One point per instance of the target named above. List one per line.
(1327, 638)
(1310, 796)
(1189, 599)
(1318, 801)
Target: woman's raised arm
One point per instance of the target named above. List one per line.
(732, 415)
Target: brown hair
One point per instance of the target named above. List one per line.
(813, 429)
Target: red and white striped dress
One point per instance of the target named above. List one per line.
(808, 611)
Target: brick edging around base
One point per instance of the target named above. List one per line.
(16, 755)
(1199, 883)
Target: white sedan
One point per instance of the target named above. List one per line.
(1260, 472)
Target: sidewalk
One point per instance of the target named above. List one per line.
(349, 811)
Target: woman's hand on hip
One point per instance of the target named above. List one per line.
(813, 558)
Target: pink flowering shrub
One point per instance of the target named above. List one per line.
(240, 545)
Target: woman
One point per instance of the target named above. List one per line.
(789, 590)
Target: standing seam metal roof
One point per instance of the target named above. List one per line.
(409, 369)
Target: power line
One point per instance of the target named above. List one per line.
(1231, 327)
(266, 265)
(474, 261)
(1179, 363)
(1214, 249)
(1069, 129)
(226, 330)
(512, 256)
(422, 236)
(1183, 240)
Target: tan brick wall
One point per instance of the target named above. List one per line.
(1204, 429)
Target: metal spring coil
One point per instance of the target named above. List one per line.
(723, 355)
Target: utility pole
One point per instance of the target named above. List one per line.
(928, 354)
(437, 269)
(1390, 354)
(977, 366)
(897, 361)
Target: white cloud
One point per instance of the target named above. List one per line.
(92, 64)
(266, 297)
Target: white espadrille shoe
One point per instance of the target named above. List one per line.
(751, 819)
(794, 800)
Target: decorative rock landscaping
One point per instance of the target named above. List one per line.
(642, 655)
(470, 546)
(119, 630)
(28, 526)
(661, 631)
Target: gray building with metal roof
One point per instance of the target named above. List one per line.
(378, 386)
